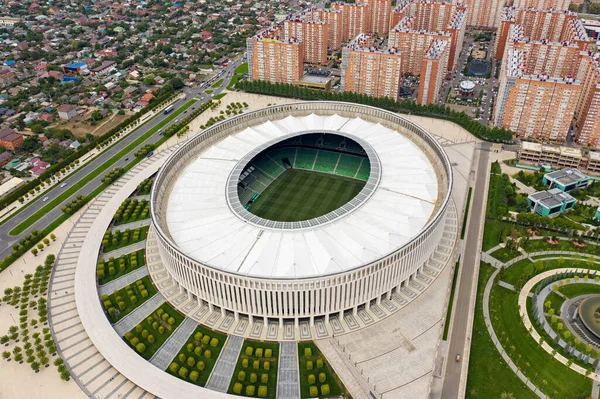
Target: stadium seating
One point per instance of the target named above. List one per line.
(268, 166)
(244, 194)
(326, 161)
(305, 158)
(364, 171)
(353, 147)
(279, 153)
(347, 165)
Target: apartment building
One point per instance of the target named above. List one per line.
(380, 15)
(334, 20)
(274, 59)
(484, 13)
(312, 32)
(369, 70)
(356, 19)
(543, 4)
(433, 70)
(587, 114)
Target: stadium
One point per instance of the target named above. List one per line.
(302, 211)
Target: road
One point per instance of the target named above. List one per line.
(470, 263)
(6, 240)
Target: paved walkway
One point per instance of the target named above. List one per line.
(140, 313)
(223, 371)
(132, 225)
(288, 377)
(506, 285)
(125, 250)
(171, 347)
(122, 281)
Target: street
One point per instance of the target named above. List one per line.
(470, 263)
(6, 240)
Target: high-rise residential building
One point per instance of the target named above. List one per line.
(543, 4)
(587, 114)
(274, 59)
(534, 106)
(417, 22)
(312, 32)
(380, 15)
(484, 13)
(433, 70)
(356, 19)
(369, 70)
(334, 20)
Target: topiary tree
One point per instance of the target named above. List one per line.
(214, 342)
(322, 377)
(207, 354)
(249, 351)
(259, 352)
(151, 339)
(183, 372)
(198, 336)
(191, 361)
(140, 347)
(309, 365)
(307, 352)
(200, 365)
(319, 363)
(245, 363)
(313, 391)
(174, 367)
(250, 389)
(256, 365)
(241, 376)
(237, 388)
(181, 357)
(311, 379)
(264, 378)
(325, 389)
(262, 391)
(253, 378)
(194, 376)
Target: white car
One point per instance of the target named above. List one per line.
(62, 185)
(45, 199)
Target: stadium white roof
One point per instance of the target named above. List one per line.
(203, 226)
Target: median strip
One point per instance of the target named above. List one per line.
(75, 187)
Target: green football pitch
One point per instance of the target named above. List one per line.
(301, 195)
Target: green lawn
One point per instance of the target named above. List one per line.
(564, 245)
(495, 232)
(70, 190)
(451, 300)
(220, 96)
(504, 255)
(513, 273)
(217, 83)
(198, 355)
(209, 92)
(129, 305)
(301, 195)
(561, 382)
(147, 325)
(141, 261)
(336, 387)
(252, 369)
(489, 376)
(573, 290)
(243, 68)
(556, 302)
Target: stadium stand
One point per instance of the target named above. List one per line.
(364, 171)
(305, 158)
(326, 161)
(347, 165)
(268, 166)
(278, 154)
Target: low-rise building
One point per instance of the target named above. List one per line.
(566, 179)
(551, 202)
(67, 112)
(10, 140)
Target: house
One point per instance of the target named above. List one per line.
(105, 68)
(67, 112)
(75, 144)
(5, 158)
(10, 140)
(551, 202)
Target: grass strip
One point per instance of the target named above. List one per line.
(243, 68)
(464, 223)
(75, 187)
(451, 300)
(218, 83)
(220, 96)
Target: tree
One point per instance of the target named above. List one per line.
(34, 251)
(53, 237)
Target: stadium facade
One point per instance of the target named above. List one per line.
(226, 257)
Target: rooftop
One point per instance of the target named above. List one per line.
(566, 176)
(551, 198)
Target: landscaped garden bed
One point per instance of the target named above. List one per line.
(317, 378)
(119, 239)
(122, 302)
(132, 210)
(198, 356)
(256, 370)
(148, 336)
(113, 268)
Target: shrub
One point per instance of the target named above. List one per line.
(206, 339)
(250, 390)
(138, 328)
(267, 365)
(307, 352)
(264, 378)
(311, 379)
(198, 336)
(145, 334)
(194, 376)
(191, 361)
(181, 357)
(171, 321)
(313, 391)
(128, 335)
(253, 378)
(262, 391)
(255, 365)
(259, 352)
(325, 389)
(319, 363)
(134, 341)
(165, 316)
(155, 325)
(183, 372)
(161, 329)
(174, 367)
(268, 353)
(190, 347)
(214, 342)
(322, 377)
(309, 365)
(200, 365)
(245, 363)
(151, 338)
(198, 351)
(207, 353)
(241, 376)
(160, 312)
(237, 388)
(140, 347)
(249, 351)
